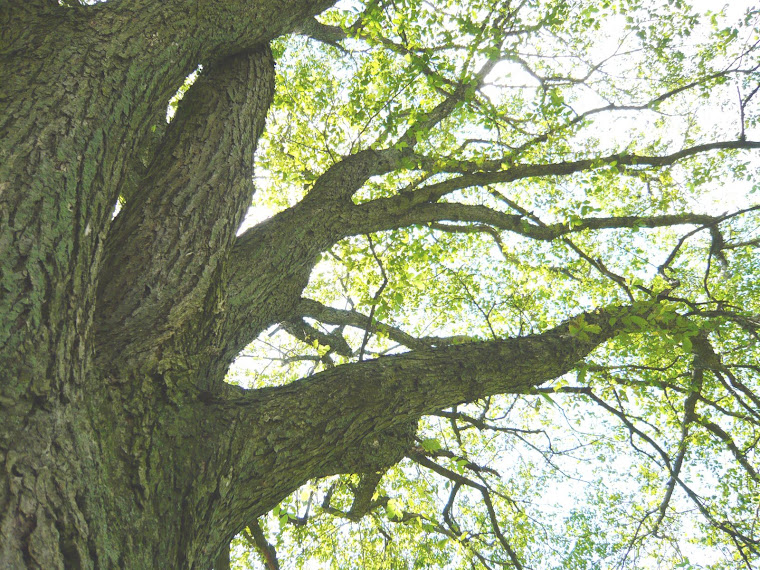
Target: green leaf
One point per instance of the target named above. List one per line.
(431, 444)
(393, 510)
(548, 398)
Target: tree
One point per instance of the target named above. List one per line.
(487, 218)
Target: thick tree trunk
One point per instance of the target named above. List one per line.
(68, 139)
(101, 469)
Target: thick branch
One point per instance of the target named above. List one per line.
(260, 298)
(391, 213)
(336, 421)
(269, 268)
(324, 33)
(218, 29)
(344, 178)
(168, 247)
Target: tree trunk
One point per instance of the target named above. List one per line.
(104, 458)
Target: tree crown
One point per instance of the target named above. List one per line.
(528, 163)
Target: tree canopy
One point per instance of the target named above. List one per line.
(494, 303)
(533, 161)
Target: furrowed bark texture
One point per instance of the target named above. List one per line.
(120, 444)
(80, 91)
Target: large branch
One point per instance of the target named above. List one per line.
(214, 29)
(390, 213)
(167, 248)
(262, 295)
(337, 421)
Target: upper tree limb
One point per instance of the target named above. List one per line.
(337, 421)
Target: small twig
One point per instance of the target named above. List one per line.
(459, 480)
(256, 538)
(375, 298)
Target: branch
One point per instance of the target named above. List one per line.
(218, 29)
(420, 458)
(360, 417)
(327, 215)
(307, 334)
(257, 539)
(704, 358)
(405, 202)
(375, 298)
(392, 213)
(722, 435)
(363, 501)
(329, 315)
(344, 178)
(689, 416)
(341, 180)
(324, 33)
(168, 246)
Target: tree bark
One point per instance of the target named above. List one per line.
(82, 89)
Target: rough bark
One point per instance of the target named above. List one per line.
(81, 89)
(202, 177)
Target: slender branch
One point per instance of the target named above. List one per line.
(400, 211)
(375, 298)
(329, 315)
(722, 435)
(428, 194)
(308, 334)
(265, 549)
(634, 161)
(447, 517)
(420, 458)
(689, 416)
(483, 425)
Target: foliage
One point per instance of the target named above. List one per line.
(551, 157)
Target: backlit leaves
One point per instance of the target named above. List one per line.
(576, 473)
